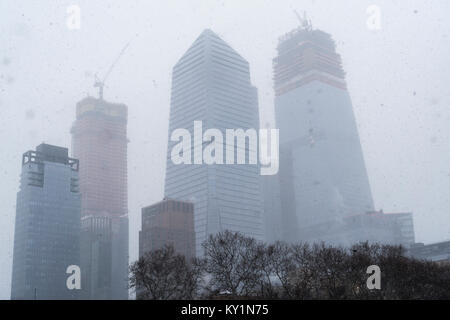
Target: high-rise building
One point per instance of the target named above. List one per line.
(322, 173)
(211, 83)
(168, 222)
(47, 230)
(99, 138)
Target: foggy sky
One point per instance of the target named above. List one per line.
(398, 78)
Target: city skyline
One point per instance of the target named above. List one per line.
(389, 193)
(208, 77)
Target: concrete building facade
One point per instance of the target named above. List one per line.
(168, 222)
(99, 139)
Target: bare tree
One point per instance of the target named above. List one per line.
(407, 278)
(234, 263)
(162, 275)
(246, 268)
(361, 256)
(320, 272)
(277, 267)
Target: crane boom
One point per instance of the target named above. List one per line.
(101, 83)
(298, 17)
(303, 21)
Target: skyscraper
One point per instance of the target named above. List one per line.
(211, 83)
(322, 172)
(47, 231)
(99, 138)
(168, 222)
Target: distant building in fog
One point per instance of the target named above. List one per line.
(272, 208)
(100, 236)
(169, 222)
(438, 252)
(374, 227)
(323, 177)
(47, 230)
(96, 257)
(385, 228)
(99, 139)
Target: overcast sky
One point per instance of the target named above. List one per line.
(398, 78)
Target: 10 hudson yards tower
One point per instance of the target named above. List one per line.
(211, 85)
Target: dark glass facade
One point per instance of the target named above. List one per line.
(47, 229)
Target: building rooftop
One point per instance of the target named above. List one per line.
(50, 153)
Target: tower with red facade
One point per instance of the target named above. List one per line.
(99, 141)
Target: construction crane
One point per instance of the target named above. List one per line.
(101, 83)
(303, 21)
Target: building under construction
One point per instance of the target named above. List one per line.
(323, 177)
(99, 141)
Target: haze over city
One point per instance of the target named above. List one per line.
(397, 77)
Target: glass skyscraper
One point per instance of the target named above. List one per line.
(47, 230)
(211, 83)
(322, 173)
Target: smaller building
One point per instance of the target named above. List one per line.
(384, 228)
(438, 252)
(373, 227)
(168, 222)
(96, 257)
(273, 218)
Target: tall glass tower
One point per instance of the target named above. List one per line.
(211, 83)
(322, 173)
(47, 233)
